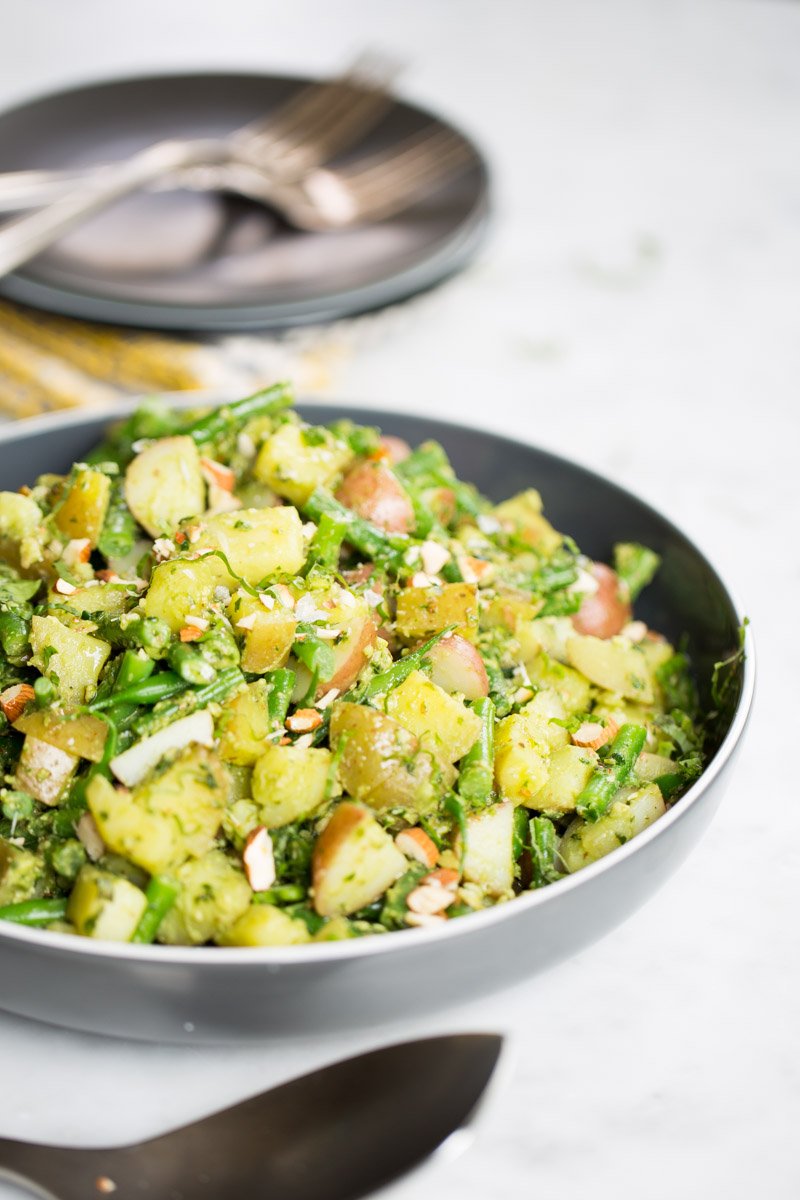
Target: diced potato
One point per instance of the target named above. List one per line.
(355, 860)
(81, 735)
(573, 688)
(381, 761)
(507, 611)
(257, 542)
(524, 513)
(489, 851)
(43, 771)
(520, 763)
(375, 493)
(106, 906)
(183, 587)
(244, 724)
(569, 770)
(265, 925)
(289, 783)
(96, 598)
(552, 634)
(268, 643)
(19, 516)
(176, 815)
(83, 510)
(616, 664)
(542, 715)
(651, 767)
(214, 895)
(77, 660)
(338, 929)
(22, 873)
(164, 485)
(586, 841)
(439, 720)
(457, 666)
(295, 460)
(421, 612)
(351, 651)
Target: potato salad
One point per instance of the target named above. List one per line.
(266, 683)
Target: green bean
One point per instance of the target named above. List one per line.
(544, 851)
(119, 527)
(323, 553)
(266, 403)
(429, 466)
(148, 691)
(34, 912)
(454, 807)
(189, 701)
(394, 675)
(378, 545)
(161, 894)
(285, 893)
(635, 565)
(188, 661)
(279, 697)
(598, 795)
(476, 777)
(44, 691)
(133, 669)
(150, 634)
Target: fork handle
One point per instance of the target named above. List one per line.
(26, 237)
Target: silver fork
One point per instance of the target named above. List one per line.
(314, 126)
(369, 189)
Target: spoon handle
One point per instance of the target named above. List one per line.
(26, 237)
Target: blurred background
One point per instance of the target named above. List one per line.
(634, 303)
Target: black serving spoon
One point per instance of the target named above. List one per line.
(336, 1134)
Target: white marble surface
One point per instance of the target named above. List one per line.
(638, 309)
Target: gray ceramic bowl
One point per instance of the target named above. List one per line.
(183, 994)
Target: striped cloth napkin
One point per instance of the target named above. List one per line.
(49, 363)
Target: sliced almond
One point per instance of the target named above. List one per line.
(89, 835)
(259, 860)
(425, 920)
(304, 720)
(327, 700)
(417, 845)
(444, 877)
(217, 473)
(14, 699)
(429, 898)
(77, 551)
(64, 588)
(592, 735)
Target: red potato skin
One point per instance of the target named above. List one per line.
(396, 448)
(605, 613)
(372, 491)
(457, 666)
(345, 818)
(348, 670)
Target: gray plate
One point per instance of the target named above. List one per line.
(209, 994)
(254, 272)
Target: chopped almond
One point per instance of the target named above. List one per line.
(215, 472)
(472, 569)
(434, 556)
(429, 898)
(14, 699)
(635, 631)
(198, 623)
(416, 844)
(445, 877)
(259, 860)
(327, 700)
(190, 633)
(304, 720)
(77, 551)
(107, 576)
(180, 538)
(425, 920)
(89, 836)
(64, 588)
(247, 622)
(592, 735)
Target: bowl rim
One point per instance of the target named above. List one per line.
(307, 956)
